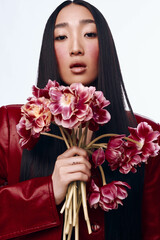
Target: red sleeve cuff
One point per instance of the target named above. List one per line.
(27, 207)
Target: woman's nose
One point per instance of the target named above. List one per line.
(76, 48)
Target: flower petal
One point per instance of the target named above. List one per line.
(98, 157)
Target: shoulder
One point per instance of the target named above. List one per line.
(141, 118)
(10, 113)
(9, 118)
(10, 151)
(151, 196)
(12, 108)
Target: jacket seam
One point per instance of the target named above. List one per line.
(29, 230)
(51, 196)
(8, 125)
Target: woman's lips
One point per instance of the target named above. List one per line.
(78, 68)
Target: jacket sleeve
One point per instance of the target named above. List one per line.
(151, 200)
(25, 207)
(151, 193)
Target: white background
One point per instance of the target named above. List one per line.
(135, 26)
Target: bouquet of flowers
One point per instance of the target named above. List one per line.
(75, 109)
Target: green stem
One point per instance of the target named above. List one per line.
(82, 139)
(52, 135)
(74, 137)
(85, 134)
(68, 136)
(98, 145)
(64, 137)
(134, 141)
(80, 135)
(89, 151)
(102, 136)
(102, 175)
(111, 135)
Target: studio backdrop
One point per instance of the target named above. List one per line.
(135, 26)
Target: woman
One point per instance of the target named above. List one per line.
(77, 47)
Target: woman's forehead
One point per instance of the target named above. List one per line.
(73, 13)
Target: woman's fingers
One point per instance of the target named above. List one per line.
(76, 176)
(76, 168)
(73, 169)
(72, 165)
(73, 161)
(72, 152)
(73, 156)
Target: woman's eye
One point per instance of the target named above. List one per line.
(60, 37)
(91, 35)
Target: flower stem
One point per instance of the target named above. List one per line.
(74, 137)
(70, 233)
(84, 203)
(98, 138)
(68, 136)
(80, 135)
(70, 196)
(111, 135)
(98, 145)
(102, 175)
(131, 140)
(52, 135)
(64, 137)
(74, 203)
(89, 151)
(85, 134)
(83, 137)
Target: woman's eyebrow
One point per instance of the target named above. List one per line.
(60, 25)
(83, 21)
(86, 21)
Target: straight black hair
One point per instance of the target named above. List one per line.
(40, 160)
(109, 78)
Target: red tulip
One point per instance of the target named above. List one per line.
(98, 157)
(147, 138)
(108, 196)
(114, 152)
(36, 118)
(128, 155)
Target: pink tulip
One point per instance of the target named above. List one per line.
(100, 115)
(108, 196)
(115, 151)
(147, 138)
(75, 104)
(36, 118)
(98, 157)
(128, 155)
(37, 92)
(71, 105)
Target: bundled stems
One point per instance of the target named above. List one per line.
(76, 193)
(64, 137)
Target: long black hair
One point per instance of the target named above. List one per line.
(109, 78)
(40, 160)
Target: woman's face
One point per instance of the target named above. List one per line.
(76, 45)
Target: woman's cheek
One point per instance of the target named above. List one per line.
(93, 50)
(60, 54)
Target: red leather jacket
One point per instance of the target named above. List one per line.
(28, 210)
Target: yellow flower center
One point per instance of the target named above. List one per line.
(66, 99)
(36, 110)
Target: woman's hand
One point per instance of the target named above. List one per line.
(72, 165)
